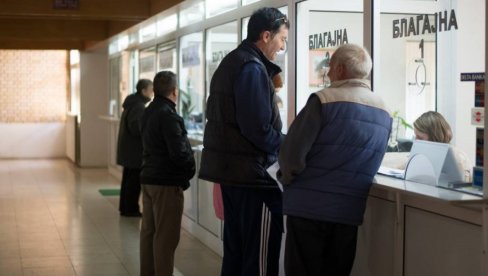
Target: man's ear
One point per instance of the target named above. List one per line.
(266, 36)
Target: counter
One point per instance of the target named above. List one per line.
(409, 228)
(416, 229)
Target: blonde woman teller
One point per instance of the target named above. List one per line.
(431, 126)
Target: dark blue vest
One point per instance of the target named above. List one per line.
(345, 157)
(228, 157)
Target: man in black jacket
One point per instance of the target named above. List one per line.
(242, 138)
(167, 166)
(129, 148)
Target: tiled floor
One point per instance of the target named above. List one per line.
(53, 221)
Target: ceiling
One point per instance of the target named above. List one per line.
(74, 24)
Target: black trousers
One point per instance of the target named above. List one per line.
(253, 228)
(130, 191)
(319, 248)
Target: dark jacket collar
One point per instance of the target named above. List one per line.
(250, 47)
(134, 99)
(164, 100)
(144, 99)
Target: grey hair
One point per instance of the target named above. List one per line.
(356, 60)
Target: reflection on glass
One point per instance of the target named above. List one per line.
(220, 41)
(216, 7)
(113, 47)
(410, 71)
(191, 78)
(124, 87)
(123, 42)
(115, 76)
(167, 57)
(247, 2)
(147, 32)
(245, 21)
(435, 42)
(323, 31)
(147, 64)
(192, 14)
(133, 38)
(74, 95)
(167, 24)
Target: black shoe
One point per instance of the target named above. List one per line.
(131, 214)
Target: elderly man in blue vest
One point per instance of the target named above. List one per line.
(328, 160)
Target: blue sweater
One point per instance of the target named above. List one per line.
(253, 112)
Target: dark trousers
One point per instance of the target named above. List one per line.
(319, 248)
(253, 227)
(130, 191)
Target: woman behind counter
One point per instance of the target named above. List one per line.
(431, 126)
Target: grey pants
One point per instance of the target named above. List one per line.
(160, 230)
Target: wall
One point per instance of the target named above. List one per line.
(470, 55)
(94, 93)
(32, 103)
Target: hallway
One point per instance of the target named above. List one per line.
(54, 221)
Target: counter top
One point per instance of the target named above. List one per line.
(385, 182)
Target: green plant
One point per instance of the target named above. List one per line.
(186, 104)
(401, 121)
(397, 122)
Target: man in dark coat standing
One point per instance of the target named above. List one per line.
(242, 138)
(129, 148)
(168, 165)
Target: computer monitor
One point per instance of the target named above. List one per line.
(443, 161)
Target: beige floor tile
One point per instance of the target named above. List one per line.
(49, 271)
(39, 234)
(101, 269)
(133, 267)
(87, 260)
(55, 222)
(8, 237)
(10, 267)
(91, 250)
(10, 250)
(58, 244)
(46, 262)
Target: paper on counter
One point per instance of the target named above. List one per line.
(272, 170)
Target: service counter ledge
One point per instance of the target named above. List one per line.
(409, 228)
(417, 229)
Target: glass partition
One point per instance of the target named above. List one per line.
(74, 94)
(115, 77)
(216, 7)
(167, 57)
(125, 74)
(191, 14)
(432, 58)
(247, 2)
(220, 41)
(167, 24)
(133, 69)
(147, 32)
(245, 21)
(147, 63)
(322, 26)
(192, 92)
